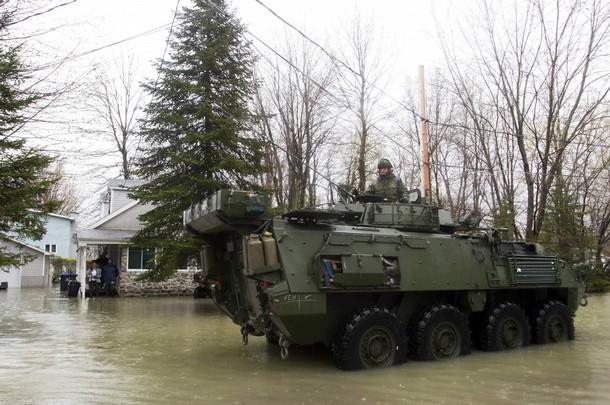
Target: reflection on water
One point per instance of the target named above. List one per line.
(55, 350)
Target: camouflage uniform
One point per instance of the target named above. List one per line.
(390, 186)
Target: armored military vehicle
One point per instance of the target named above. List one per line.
(377, 281)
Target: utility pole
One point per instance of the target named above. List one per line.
(424, 136)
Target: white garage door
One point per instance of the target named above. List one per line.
(13, 277)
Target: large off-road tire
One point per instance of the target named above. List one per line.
(439, 332)
(372, 338)
(552, 322)
(504, 327)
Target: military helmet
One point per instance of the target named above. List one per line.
(384, 163)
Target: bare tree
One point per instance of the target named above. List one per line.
(359, 84)
(541, 74)
(273, 177)
(600, 216)
(582, 195)
(457, 176)
(295, 109)
(116, 101)
(61, 190)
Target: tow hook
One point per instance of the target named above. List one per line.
(244, 335)
(284, 345)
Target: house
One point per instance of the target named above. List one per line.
(109, 236)
(116, 195)
(57, 239)
(30, 273)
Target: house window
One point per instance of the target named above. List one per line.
(139, 259)
(50, 248)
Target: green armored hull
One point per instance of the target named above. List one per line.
(376, 281)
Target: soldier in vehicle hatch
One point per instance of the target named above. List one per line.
(388, 185)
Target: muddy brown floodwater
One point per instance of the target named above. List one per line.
(55, 350)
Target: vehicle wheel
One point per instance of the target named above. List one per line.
(552, 323)
(373, 338)
(439, 332)
(504, 327)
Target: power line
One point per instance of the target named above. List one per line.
(279, 56)
(345, 65)
(488, 170)
(398, 144)
(401, 104)
(169, 35)
(321, 87)
(100, 48)
(41, 12)
(324, 89)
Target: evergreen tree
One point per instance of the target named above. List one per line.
(21, 168)
(504, 217)
(195, 128)
(562, 232)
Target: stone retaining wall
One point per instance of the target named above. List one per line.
(181, 283)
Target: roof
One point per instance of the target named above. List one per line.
(114, 214)
(61, 216)
(18, 242)
(124, 183)
(53, 215)
(103, 236)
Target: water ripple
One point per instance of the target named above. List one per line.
(177, 350)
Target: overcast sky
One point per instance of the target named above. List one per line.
(406, 32)
(407, 26)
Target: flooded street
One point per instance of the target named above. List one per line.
(55, 350)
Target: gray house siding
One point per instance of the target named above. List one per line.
(117, 195)
(34, 273)
(11, 276)
(128, 220)
(118, 199)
